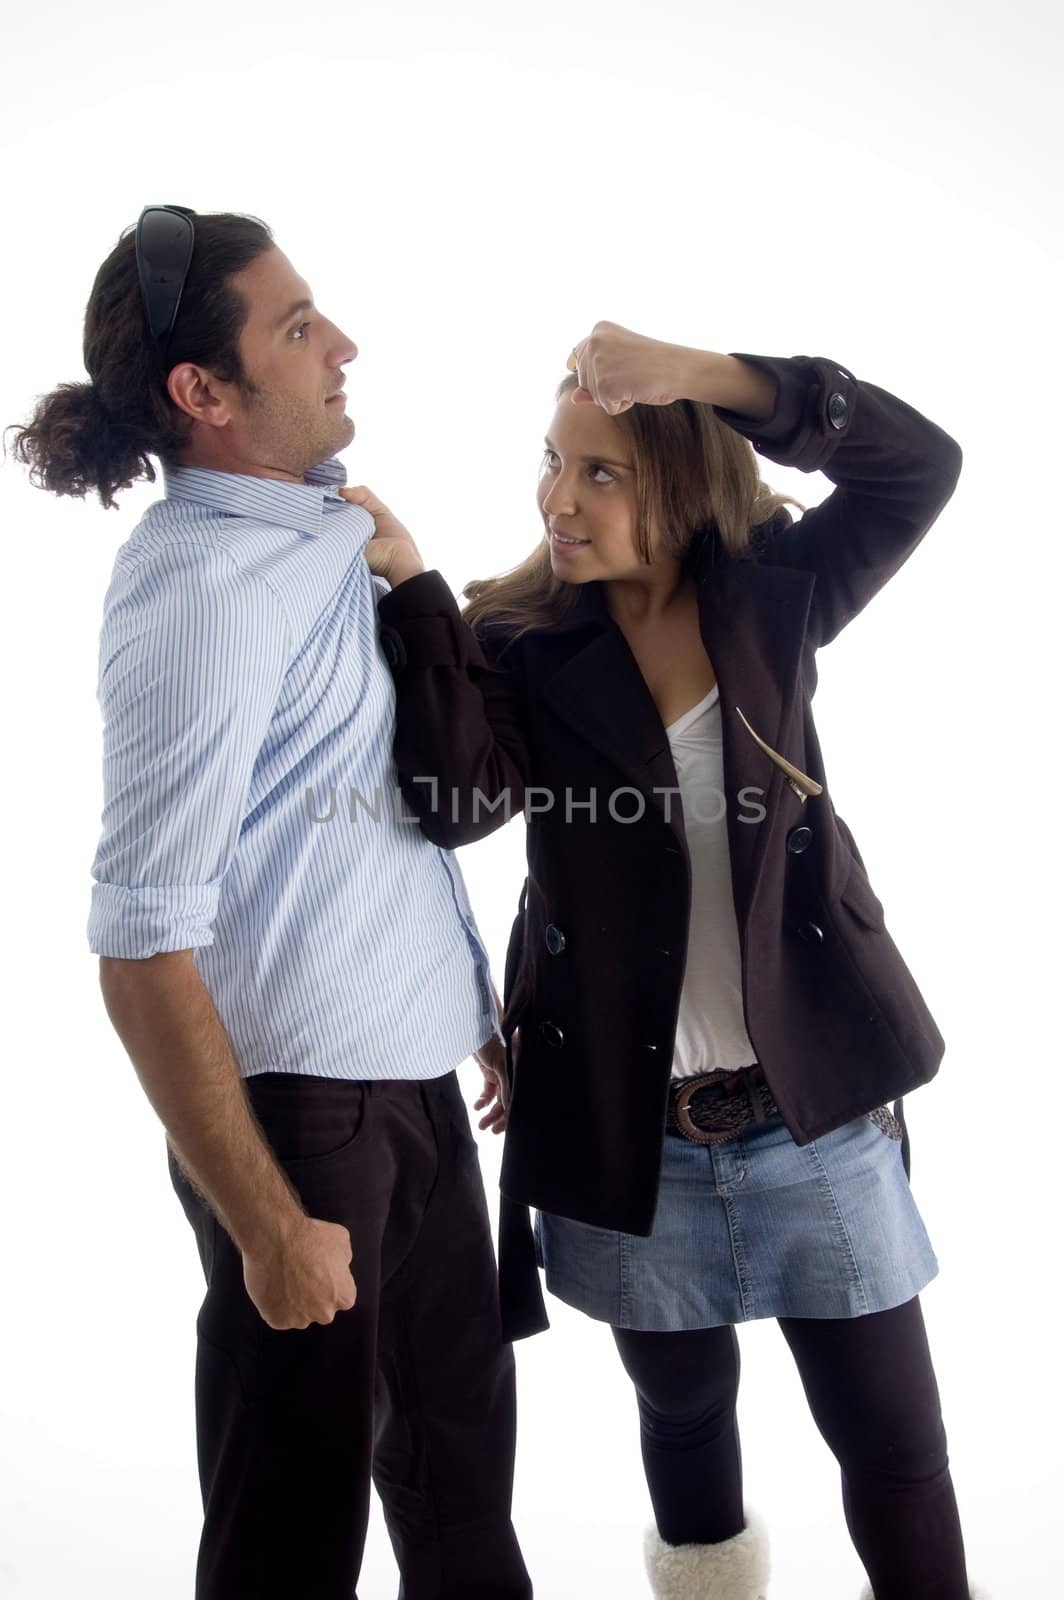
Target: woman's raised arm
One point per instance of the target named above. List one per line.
(894, 471)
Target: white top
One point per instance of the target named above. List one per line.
(711, 1031)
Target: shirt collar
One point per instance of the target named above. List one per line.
(290, 505)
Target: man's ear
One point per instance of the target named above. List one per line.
(198, 393)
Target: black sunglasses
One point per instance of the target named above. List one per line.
(165, 236)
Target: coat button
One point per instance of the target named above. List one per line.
(798, 839)
(555, 939)
(838, 410)
(551, 1034)
(811, 933)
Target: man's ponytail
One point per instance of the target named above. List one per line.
(99, 436)
(73, 444)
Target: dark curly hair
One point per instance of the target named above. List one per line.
(100, 435)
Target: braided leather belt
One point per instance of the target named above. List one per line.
(713, 1106)
(710, 1107)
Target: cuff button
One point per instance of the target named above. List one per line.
(392, 645)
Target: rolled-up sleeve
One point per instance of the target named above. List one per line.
(193, 652)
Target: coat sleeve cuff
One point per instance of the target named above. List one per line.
(814, 407)
(421, 626)
(522, 1307)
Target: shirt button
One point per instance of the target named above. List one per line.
(811, 933)
(798, 839)
(551, 1034)
(555, 939)
(838, 410)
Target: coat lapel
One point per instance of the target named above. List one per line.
(753, 619)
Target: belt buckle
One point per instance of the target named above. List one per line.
(683, 1116)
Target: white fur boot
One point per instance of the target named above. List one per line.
(733, 1569)
(976, 1594)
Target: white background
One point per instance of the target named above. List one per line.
(468, 189)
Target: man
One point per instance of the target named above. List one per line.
(293, 968)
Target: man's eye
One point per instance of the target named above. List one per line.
(302, 325)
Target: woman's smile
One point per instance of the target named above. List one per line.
(561, 543)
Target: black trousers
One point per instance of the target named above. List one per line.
(873, 1394)
(412, 1387)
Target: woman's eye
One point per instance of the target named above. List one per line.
(592, 466)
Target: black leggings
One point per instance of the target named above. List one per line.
(872, 1391)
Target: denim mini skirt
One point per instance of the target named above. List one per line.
(756, 1226)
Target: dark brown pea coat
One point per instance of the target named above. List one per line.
(596, 958)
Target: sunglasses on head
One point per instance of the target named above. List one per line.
(165, 236)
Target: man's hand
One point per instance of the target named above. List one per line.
(492, 1061)
(303, 1275)
(391, 553)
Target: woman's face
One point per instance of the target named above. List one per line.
(587, 491)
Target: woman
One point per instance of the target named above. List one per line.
(711, 1011)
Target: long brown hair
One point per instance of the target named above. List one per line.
(693, 473)
(99, 435)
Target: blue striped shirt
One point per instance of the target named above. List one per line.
(252, 811)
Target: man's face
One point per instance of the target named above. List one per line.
(294, 356)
